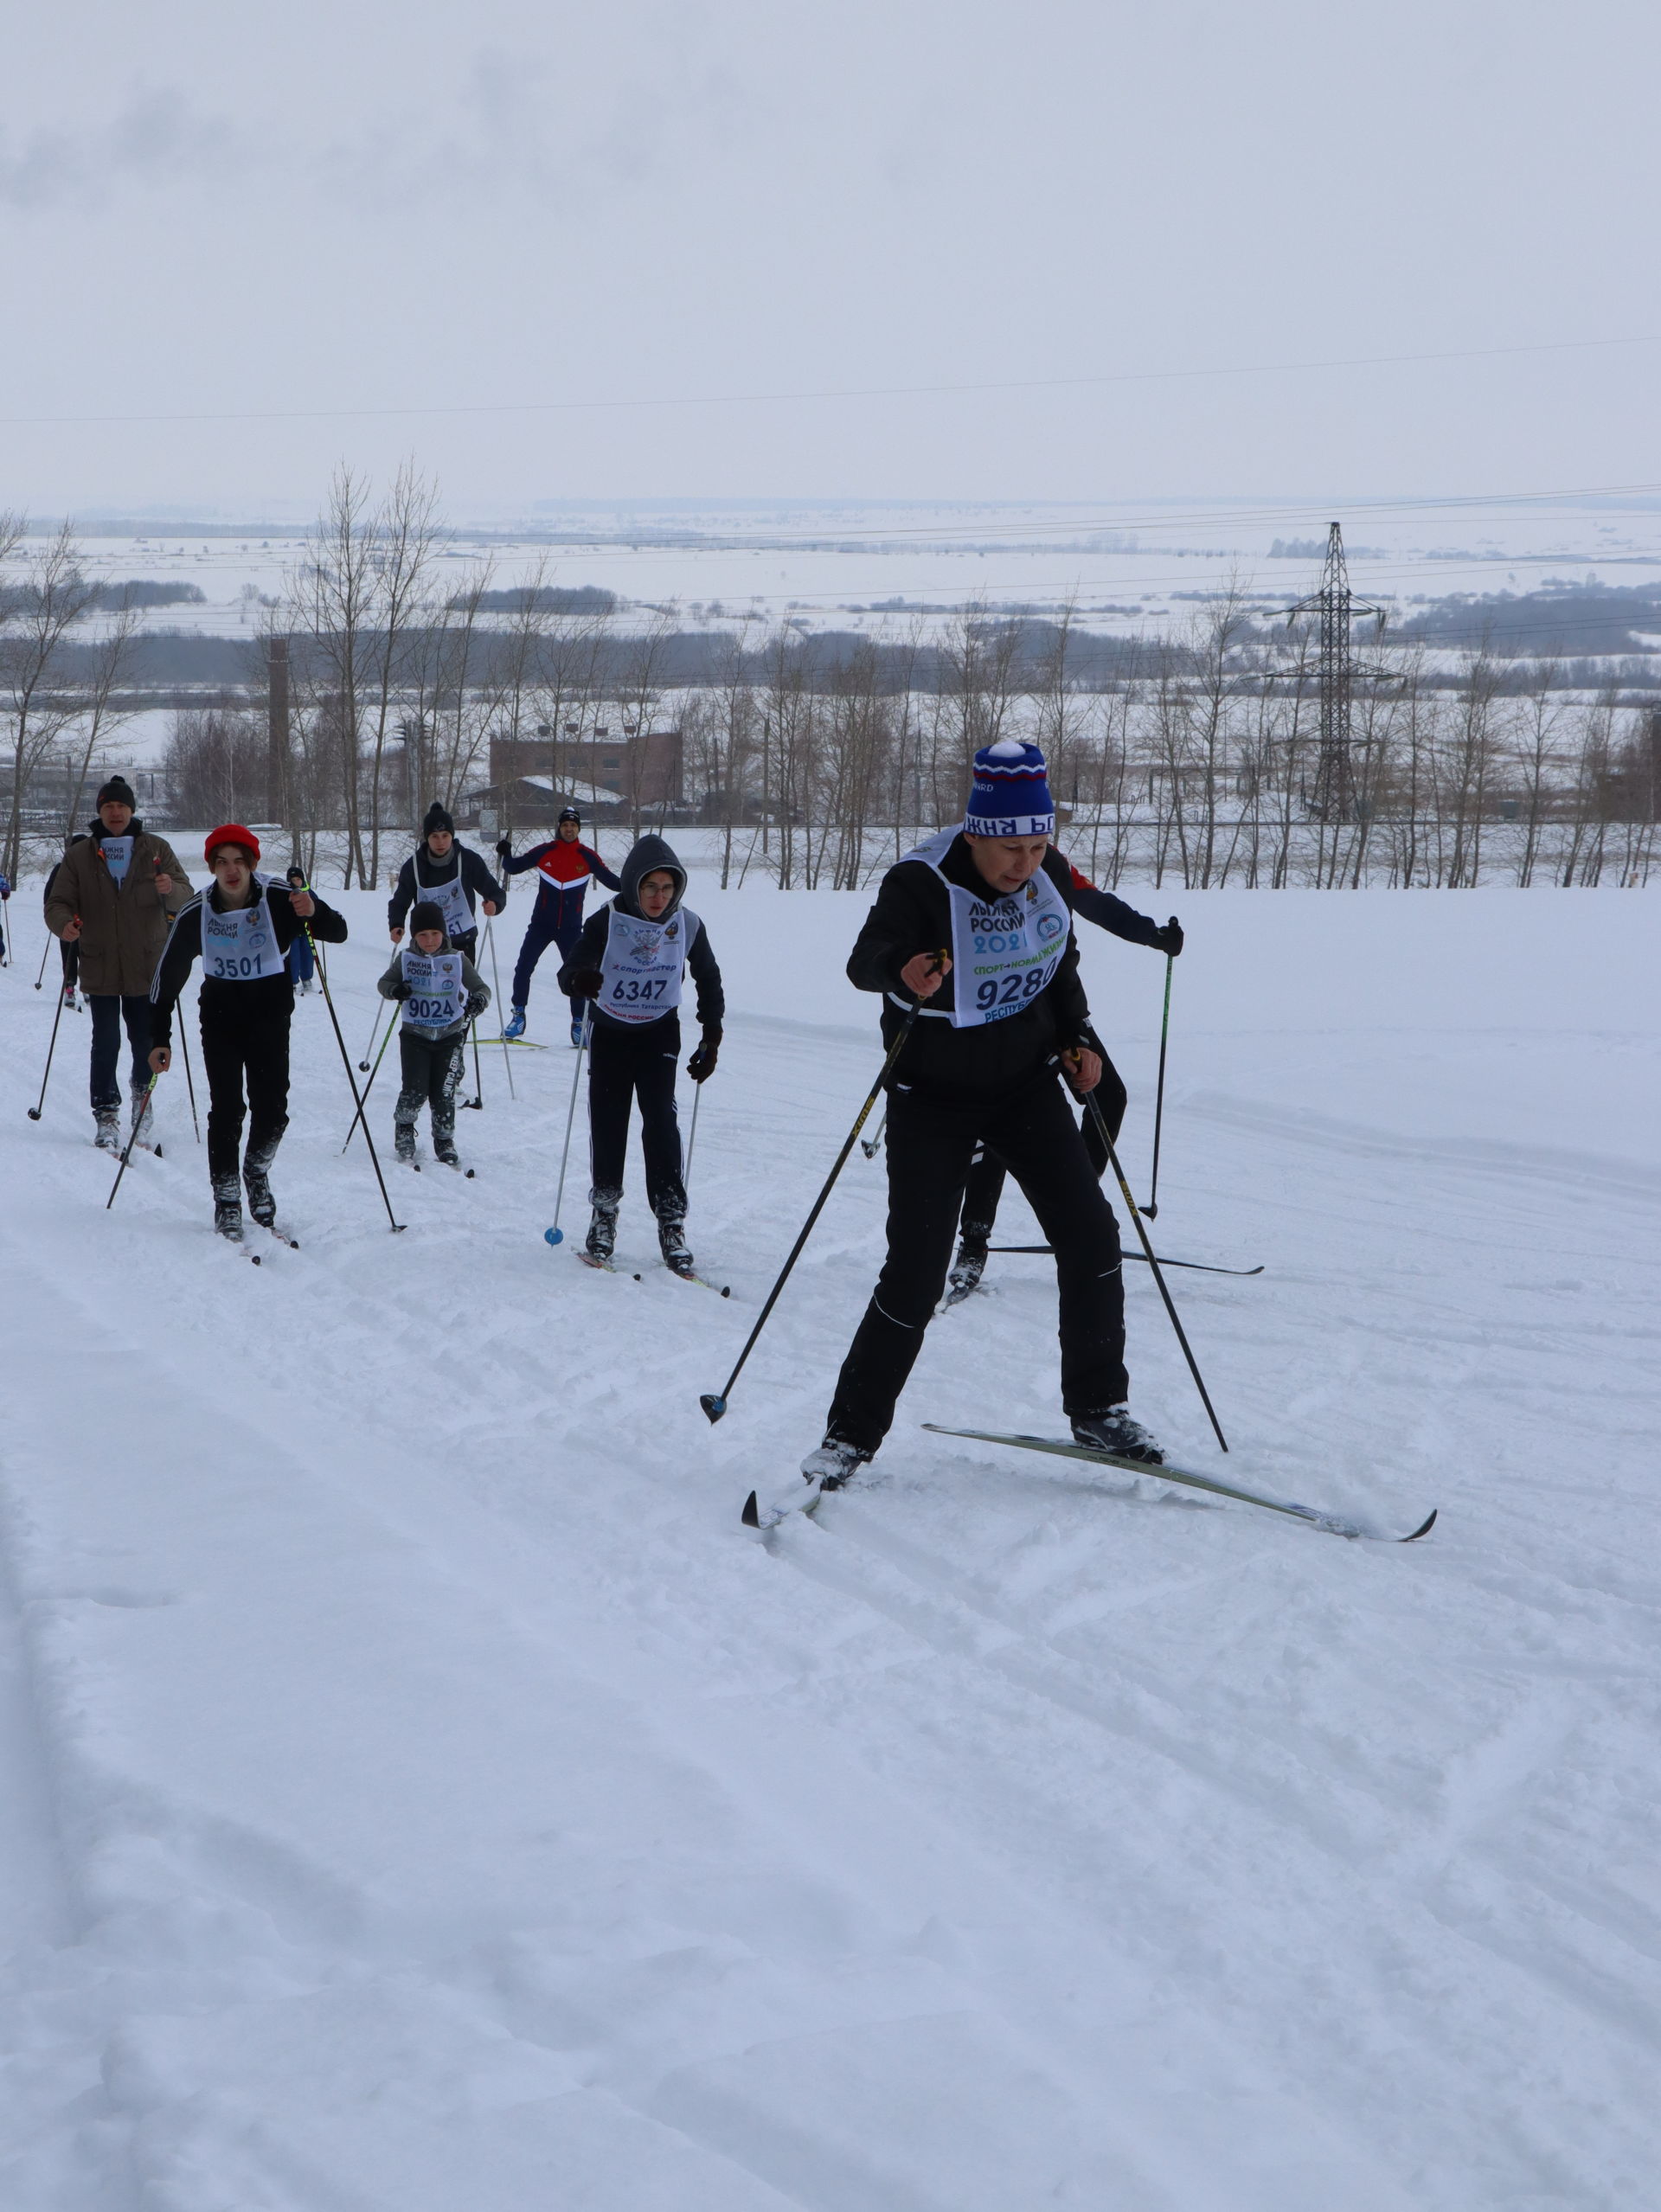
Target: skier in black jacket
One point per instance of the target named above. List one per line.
(242, 927)
(976, 928)
(985, 1185)
(453, 876)
(629, 960)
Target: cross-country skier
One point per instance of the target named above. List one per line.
(5, 893)
(986, 1185)
(440, 991)
(1003, 1016)
(113, 896)
(566, 867)
(453, 876)
(630, 959)
(242, 925)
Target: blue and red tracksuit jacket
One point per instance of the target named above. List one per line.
(565, 867)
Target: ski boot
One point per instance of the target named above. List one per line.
(69, 998)
(671, 1242)
(601, 1240)
(834, 1463)
(403, 1142)
(969, 1264)
(515, 1027)
(1115, 1431)
(443, 1148)
(256, 1178)
(142, 1127)
(577, 1031)
(106, 1128)
(227, 1208)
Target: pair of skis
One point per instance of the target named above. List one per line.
(681, 1275)
(757, 1516)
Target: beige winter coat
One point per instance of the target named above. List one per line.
(122, 931)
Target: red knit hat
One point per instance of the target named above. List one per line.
(231, 833)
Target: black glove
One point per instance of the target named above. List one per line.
(400, 991)
(701, 1065)
(584, 983)
(1170, 938)
(504, 849)
(477, 1001)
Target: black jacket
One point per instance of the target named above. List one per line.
(477, 880)
(183, 947)
(589, 951)
(913, 914)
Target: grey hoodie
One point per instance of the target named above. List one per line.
(589, 951)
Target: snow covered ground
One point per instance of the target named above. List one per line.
(416, 1792)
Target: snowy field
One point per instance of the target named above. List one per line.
(417, 1793)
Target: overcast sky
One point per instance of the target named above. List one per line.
(218, 209)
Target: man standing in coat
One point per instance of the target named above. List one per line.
(113, 896)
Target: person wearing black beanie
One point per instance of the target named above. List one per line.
(450, 874)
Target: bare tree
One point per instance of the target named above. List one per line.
(37, 619)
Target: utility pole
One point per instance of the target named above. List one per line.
(1333, 796)
(277, 754)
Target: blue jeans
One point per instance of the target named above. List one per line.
(109, 1012)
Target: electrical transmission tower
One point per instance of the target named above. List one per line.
(1333, 796)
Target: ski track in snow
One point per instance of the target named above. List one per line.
(416, 1792)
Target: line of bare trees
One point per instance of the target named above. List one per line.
(58, 704)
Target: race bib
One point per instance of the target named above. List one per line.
(240, 946)
(436, 999)
(641, 972)
(118, 856)
(1004, 951)
(450, 899)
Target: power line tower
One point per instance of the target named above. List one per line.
(1333, 796)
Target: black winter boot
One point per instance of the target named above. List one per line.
(969, 1264)
(671, 1242)
(227, 1208)
(256, 1174)
(602, 1229)
(403, 1141)
(1114, 1431)
(106, 1128)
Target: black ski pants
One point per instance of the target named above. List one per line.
(985, 1185)
(245, 1040)
(109, 1012)
(930, 1143)
(625, 1065)
(431, 1066)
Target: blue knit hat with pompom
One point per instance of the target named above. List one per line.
(1011, 798)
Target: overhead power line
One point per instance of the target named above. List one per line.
(834, 391)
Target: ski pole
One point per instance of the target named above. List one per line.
(369, 1085)
(715, 1402)
(35, 1110)
(375, 1031)
(137, 1124)
(40, 977)
(1151, 1209)
(556, 1235)
(184, 1055)
(346, 1062)
(872, 1144)
(1124, 1188)
(496, 977)
(692, 1139)
(478, 1099)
